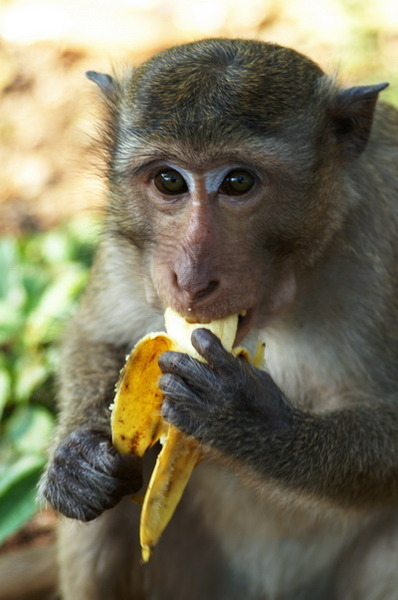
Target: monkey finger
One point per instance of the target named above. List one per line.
(210, 347)
(76, 498)
(195, 373)
(128, 472)
(179, 391)
(180, 415)
(172, 362)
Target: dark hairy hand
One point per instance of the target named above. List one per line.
(217, 401)
(87, 475)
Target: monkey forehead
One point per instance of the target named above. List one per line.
(140, 155)
(225, 83)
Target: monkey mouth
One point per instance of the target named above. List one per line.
(244, 325)
(245, 322)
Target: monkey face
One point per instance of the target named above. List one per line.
(219, 232)
(224, 174)
(210, 250)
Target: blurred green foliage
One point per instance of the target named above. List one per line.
(41, 277)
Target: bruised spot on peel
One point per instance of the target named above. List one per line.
(134, 442)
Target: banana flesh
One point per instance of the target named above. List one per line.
(180, 331)
(137, 423)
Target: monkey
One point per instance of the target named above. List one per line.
(242, 179)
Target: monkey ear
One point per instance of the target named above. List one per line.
(106, 83)
(352, 118)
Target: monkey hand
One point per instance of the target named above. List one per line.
(219, 401)
(87, 475)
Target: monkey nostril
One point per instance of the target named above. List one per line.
(206, 291)
(194, 289)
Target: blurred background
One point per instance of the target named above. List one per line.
(50, 196)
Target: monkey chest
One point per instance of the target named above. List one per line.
(252, 541)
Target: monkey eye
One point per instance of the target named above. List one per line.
(237, 182)
(170, 182)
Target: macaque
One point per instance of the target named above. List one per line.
(242, 180)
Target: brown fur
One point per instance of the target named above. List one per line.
(314, 250)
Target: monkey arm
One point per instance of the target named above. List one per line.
(88, 373)
(349, 456)
(85, 475)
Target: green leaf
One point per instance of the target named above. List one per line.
(11, 321)
(29, 372)
(41, 276)
(18, 486)
(29, 430)
(5, 387)
(54, 305)
(55, 247)
(16, 471)
(35, 280)
(8, 263)
(83, 234)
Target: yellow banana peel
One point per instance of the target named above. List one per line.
(174, 465)
(137, 423)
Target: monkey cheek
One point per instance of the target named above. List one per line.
(151, 296)
(282, 297)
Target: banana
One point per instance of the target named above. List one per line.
(180, 454)
(137, 423)
(180, 331)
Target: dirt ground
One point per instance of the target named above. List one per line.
(49, 109)
(47, 125)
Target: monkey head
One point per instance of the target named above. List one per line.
(226, 169)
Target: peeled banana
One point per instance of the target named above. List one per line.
(137, 423)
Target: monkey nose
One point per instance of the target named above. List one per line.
(195, 291)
